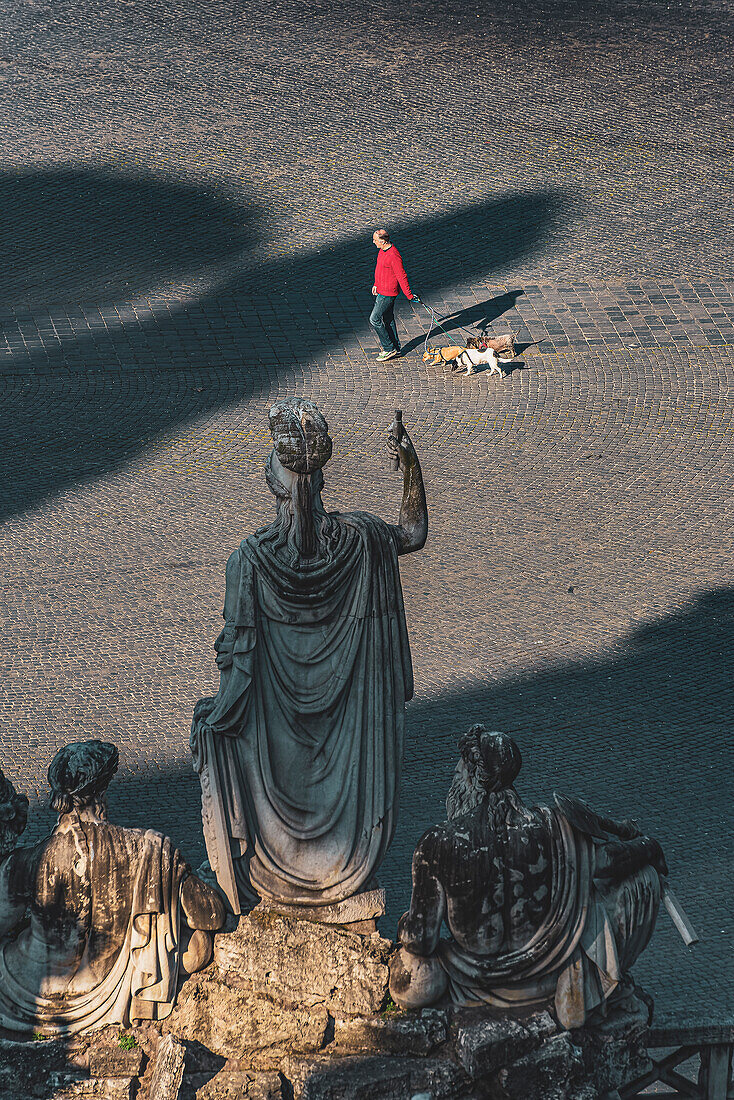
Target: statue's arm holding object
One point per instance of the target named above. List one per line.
(419, 929)
(412, 527)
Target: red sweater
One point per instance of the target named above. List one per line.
(390, 273)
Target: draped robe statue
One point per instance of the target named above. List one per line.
(97, 922)
(299, 754)
(542, 903)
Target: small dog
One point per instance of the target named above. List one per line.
(471, 358)
(466, 359)
(440, 356)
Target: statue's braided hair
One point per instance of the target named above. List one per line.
(303, 445)
(490, 763)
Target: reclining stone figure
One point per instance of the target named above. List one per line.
(97, 922)
(541, 903)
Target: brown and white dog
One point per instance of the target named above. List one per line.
(475, 353)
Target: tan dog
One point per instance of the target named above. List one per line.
(440, 356)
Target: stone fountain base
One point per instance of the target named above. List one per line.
(294, 1010)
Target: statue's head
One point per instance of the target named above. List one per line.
(13, 815)
(300, 434)
(489, 762)
(301, 447)
(80, 773)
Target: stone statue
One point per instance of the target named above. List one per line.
(540, 902)
(300, 752)
(96, 921)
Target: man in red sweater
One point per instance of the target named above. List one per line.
(389, 278)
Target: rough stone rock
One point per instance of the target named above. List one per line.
(26, 1069)
(95, 1088)
(555, 1071)
(306, 963)
(393, 1033)
(232, 1085)
(377, 1079)
(108, 1061)
(485, 1044)
(238, 1023)
(614, 1058)
(168, 1069)
(359, 907)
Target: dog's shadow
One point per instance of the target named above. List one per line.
(483, 368)
(478, 317)
(507, 369)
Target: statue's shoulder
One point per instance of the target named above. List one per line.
(242, 558)
(360, 519)
(234, 560)
(449, 838)
(370, 528)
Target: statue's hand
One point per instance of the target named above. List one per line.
(203, 709)
(403, 450)
(618, 859)
(657, 857)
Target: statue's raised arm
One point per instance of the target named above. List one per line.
(412, 528)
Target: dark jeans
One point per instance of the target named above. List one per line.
(382, 320)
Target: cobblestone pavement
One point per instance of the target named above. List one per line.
(188, 198)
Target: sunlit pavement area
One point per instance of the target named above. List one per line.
(188, 195)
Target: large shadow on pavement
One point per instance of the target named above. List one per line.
(90, 381)
(79, 239)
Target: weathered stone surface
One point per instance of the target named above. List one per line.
(89, 870)
(306, 963)
(416, 980)
(614, 1058)
(393, 1033)
(26, 1069)
(109, 1061)
(484, 1045)
(105, 1088)
(239, 1023)
(359, 907)
(168, 1069)
(377, 1078)
(491, 838)
(553, 1072)
(233, 1085)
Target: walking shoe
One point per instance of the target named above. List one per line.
(385, 355)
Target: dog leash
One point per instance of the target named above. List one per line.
(436, 323)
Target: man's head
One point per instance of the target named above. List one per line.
(381, 239)
(489, 762)
(80, 773)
